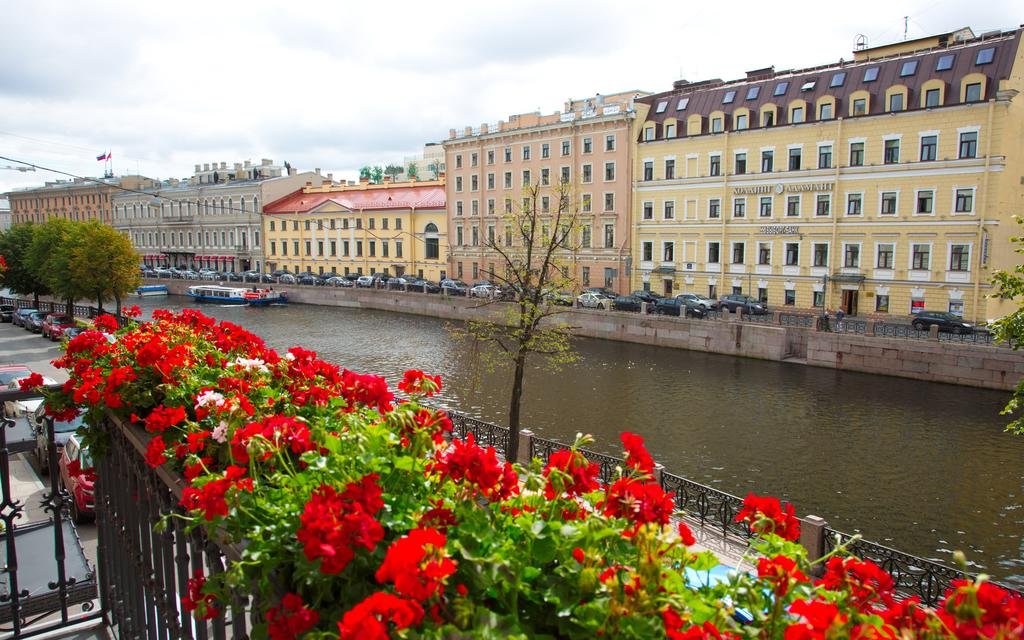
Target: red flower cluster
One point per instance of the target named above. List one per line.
(291, 618)
(819, 621)
(369, 619)
(479, 468)
(75, 470)
(332, 523)
(415, 382)
(865, 581)
(155, 455)
(211, 498)
(781, 573)
(203, 605)
(106, 322)
(982, 610)
(367, 390)
(637, 456)
(418, 564)
(674, 623)
(161, 418)
(31, 382)
(269, 435)
(582, 474)
(766, 515)
(638, 501)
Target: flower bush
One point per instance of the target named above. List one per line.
(358, 517)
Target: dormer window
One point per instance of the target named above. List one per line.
(809, 85)
(662, 106)
(729, 97)
(682, 104)
(753, 92)
(945, 62)
(908, 68)
(871, 74)
(837, 80)
(985, 56)
(781, 88)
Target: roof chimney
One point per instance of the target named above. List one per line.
(325, 183)
(317, 170)
(330, 177)
(206, 166)
(197, 168)
(223, 165)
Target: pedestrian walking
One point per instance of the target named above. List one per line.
(840, 314)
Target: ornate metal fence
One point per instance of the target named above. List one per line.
(710, 507)
(542, 448)
(900, 331)
(978, 337)
(796, 320)
(484, 433)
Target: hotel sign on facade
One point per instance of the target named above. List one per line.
(783, 188)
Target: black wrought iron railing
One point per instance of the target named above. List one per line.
(796, 320)
(900, 331)
(542, 448)
(710, 507)
(484, 433)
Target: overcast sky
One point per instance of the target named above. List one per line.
(338, 85)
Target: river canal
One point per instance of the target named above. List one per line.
(922, 467)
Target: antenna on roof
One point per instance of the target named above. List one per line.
(860, 42)
(905, 20)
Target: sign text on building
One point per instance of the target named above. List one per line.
(781, 188)
(779, 230)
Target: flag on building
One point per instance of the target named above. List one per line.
(105, 156)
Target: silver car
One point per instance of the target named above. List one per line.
(705, 303)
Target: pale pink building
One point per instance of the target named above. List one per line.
(589, 144)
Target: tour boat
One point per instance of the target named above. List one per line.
(255, 297)
(151, 290)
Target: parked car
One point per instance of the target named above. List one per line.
(71, 332)
(947, 322)
(378, 280)
(18, 319)
(54, 325)
(646, 296)
(627, 303)
(209, 275)
(9, 372)
(483, 290)
(62, 430)
(454, 287)
(705, 303)
(163, 272)
(561, 298)
(287, 278)
(277, 273)
(678, 307)
(7, 312)
(15, 408)
(364, 282)
(605, 291)
(592, 300)
(751, 306)
(79, 485)
(338, 281)
(399, 282)
(308, 279)
(426, 286)
(34, 321)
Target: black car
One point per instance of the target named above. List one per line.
(602, 291)
(426, 286)
(627, 303)
(454, 287)
(750, 306)
(647, 296)
(947, 322)
(34, 322)
(677, 307)
(19, 317)
(308, 279)
(7, 312)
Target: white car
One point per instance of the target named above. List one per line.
(483, 291)
(705, 303)
(15, 408)
(592, 300)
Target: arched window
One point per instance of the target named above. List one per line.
(433, 250)
(430, 228)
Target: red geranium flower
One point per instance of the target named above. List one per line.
(582, 474)
(332, 524)
(865, 581)
(203, 605)
(31, 382)
(638, 501)
(106, 322)
(132, 312)
(781, 573)
(637, 456)
(418, 564)
(820, 620)
(290, 619)
(369, 619)
(417, 382)
(161, 418)
(479, 468)
(766, 515)
(155, 455)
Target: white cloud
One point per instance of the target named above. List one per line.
(338, 85)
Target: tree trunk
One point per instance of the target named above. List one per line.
(99, 303)
(512, 454)
(117, 305)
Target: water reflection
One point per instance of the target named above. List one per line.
(923, 467)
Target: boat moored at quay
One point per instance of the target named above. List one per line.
(255, 297)
(147, 290)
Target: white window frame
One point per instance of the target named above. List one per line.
(949, 255)
(896, 211)
(910, 255)
(917, 193)
(664, 245)
(893, 243)
(817, 197)
(643, 208)
(799, 205)
(644, 245)
(974, 201)
(736, 199)
(860, 255)
(664, 210)
(846, 210)
(732, 251)
(707, 251)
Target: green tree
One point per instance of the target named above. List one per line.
(365, 173)
(105, 264)
(14, 246)
(376, 174)
(49, 257)
(435, 169)
(1010, 328)
(537, 263)
(393, 170)
(412, 171)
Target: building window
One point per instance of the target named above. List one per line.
(765, 209)
(860, 106)
(508, 179)
(985, 56)
(825, 111)
(896, 102)
(648, 169)
(741, 163)
(668, 251)
(959, 257)
(716, 165)
(789, 297)
(929, 144)
(648, 211)
(475, 235)
(856, 154)
(670, 130)
(823, 205)
(566, 147)
(908, 68)
(545, 177)
(792, 206)
(458, 161)
(648, 134)
(920, 257)
(670, 210)
(739, 208)
(490, 180)
(526, 152)
(565, 175)
(889, 203)
(738, 249)
(609, 201)
(609, 142)
(764, 253)
(969, 144)
(945, 63)
(714, 252)
(647, 251)
(490, 157)
(825, 156)
(884, 260)
(854, 204)
(851, 256)
(588, 145)
(458, 207)
(587, 203)
(925, 202)
(508, 154)
(714, 208)
(767, 161)
(972, 92)
(586, 276)
(794, 159)
(741, 121)
(820, 254)
(545, 150)
(796, 115)
(792, 254)
(964, 200)
(882, 303)
(670, 169)
(474, 183)
(609, 171)
(716, 125)
(892, 152)
(767, 118)
(609, 236)
(527, 178)
(932, 98)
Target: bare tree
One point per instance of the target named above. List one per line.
(536, 254)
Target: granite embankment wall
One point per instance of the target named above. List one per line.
(950, 362)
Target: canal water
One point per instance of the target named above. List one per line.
(922, 467)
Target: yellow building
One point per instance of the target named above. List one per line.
(391, 228)
(882, 185)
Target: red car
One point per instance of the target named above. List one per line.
(54, 325)
(78, 477)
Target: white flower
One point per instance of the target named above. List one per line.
(289, 356)
(220, 432)
(209, 398)
(250, 364)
